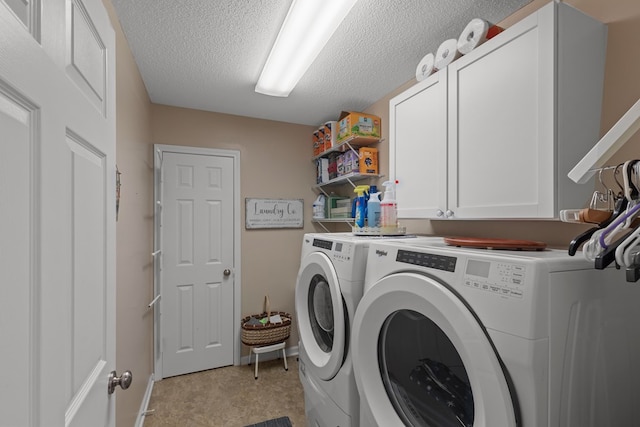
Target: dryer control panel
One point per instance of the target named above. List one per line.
(339, 251)
(501, 278)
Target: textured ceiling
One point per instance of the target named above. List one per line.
(208, 54)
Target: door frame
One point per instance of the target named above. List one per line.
(158, 152)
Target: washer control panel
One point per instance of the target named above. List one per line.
(501, 278)
(423, 259)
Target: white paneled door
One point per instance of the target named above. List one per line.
(197, 268)
(57, 213)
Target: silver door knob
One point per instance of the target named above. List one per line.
(226, 272)
(439, 213)
(124, 381)
(449, 213)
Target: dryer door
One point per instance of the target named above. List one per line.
(321, 315)
(421, 358)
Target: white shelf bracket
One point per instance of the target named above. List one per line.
(326, 230)
(617, 136)
(155, 300)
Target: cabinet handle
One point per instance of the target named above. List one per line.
(449, 213)
(439, 213)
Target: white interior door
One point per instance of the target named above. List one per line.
(197, 276)
(57, 204)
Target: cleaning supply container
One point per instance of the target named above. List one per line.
(361, 204)
(373, 208)
(319, 207)
(389, 209)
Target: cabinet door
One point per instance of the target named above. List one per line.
(501, 126)
(417, 148)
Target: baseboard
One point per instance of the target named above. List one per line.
(144, 406)
(291, 351)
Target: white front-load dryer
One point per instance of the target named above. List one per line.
(447, 336)
(329, 287)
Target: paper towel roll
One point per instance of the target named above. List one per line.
(473, 35)
(447, 53)
(425, 67)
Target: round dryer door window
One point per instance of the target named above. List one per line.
(422, 358)
(320, 309)
(422, 372)
(321, 315)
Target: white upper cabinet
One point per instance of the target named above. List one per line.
(495, 133)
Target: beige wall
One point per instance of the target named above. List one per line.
(134, 238)
(275, 162)
(621, 90)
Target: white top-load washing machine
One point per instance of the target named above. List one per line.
(329, 286)
(447, 336)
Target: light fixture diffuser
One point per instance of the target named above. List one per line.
(306, 29)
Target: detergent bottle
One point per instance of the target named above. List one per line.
(319, 207)
(389, 208)
(373, 208)
(361, 204)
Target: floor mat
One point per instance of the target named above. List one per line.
(277, 422)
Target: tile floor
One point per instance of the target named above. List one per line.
(229, 397)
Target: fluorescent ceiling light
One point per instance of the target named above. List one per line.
(306, 29)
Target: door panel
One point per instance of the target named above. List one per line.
(419, 143)
(17, 122)
(28, 12)
(88, 284)
(87, 59)
(59, 152)
(197, 319)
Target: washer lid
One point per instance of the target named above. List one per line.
(493, 402)
(321, 315)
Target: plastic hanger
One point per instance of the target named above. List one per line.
(601, 239)
(610, 251)
(616, 203)
(619, 207)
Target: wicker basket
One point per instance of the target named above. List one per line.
(269, 333)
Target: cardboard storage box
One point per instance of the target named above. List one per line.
(322, 170)
(317, 147)
(368, 160)
(365, 126)
(330, 135)
(350, 162)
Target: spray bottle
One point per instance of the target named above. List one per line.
(373, 207)
(361, 204)
(389, 208)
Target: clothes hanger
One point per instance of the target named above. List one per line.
(624, 220)
(627, 252)
(619, 206)
(610, 250)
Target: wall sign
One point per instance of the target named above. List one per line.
(274, 213)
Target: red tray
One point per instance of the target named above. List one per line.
(485, 243)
